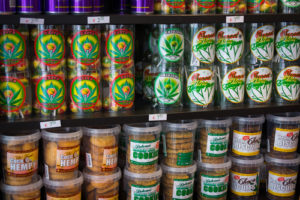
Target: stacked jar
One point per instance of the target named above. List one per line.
(170, 7)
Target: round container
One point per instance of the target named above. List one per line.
(100, 145)
(142, 144)
(61, 152)
(81, 6)
(7, 7)
(213, 180)
(24, 192)
(212, 140)
(267, 6)
(246, 136)
(201, 6)
(142, 6)
(101, 185)
(145, 185)
(283, 134)
(178, 141)
(62, 189)
(178, 183)
(282, 177)
(170, 7)
(29, 6)
(57, 6)
(244, 178)
(231, 7)
(20, 154)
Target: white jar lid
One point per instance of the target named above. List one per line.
(153, 175)
(20, 137)
(66, 133)
(102, 130)
(181, 125)
(102, 177)
(251, 162)
(63, 183)
(217, 166)
(250, 119)
(189, 169)
(216, 123)
(283, 162)
(285, 118)
(9, 189)
(142, 128)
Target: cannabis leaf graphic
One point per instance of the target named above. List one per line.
(121, 48)
(85, 94)
(201, 92)
(124, 92)
(9, 97)
(229, 51)
(11, 50)
(51, 49)
(52, 94)
(87, 49)
(205, 48)
(168, 90)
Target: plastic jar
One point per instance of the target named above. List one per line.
(178, 183)
(101, 185)
(244, 178)
(201, 7)
(145, 185)
(267, 6)
(61, 152)
(20, 155)
(231, 7)
(246, 135)
(142, 144)
(212, 140)
(178, 141)
(283, 134)
(213, 180)
(170, 7)
(100, 144)
(24, 192)
(282, 177)
(62, 189)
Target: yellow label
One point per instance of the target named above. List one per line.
(67, 159)
(75, 197)
(116, 197)
(286, 140)
(110, 158)
(282, 185)
(246, 144)
(244, 184)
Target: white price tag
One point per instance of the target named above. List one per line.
(157, 117)
(99, 20)
(32, 20)
(50, 124)
(234, 19)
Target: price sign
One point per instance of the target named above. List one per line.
(234, 19)
(99, 20)
(157, 117)
(50, 124)
(25, 20)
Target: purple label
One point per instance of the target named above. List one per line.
(82, 6)
(98, 5)
(7, 6)
(142, 6)
(29, 6)
(57, 6)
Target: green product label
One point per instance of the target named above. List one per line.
(144, 152)
(12, 94)
(50, 92)
(171, 45)
(251, 4)
(85, 92)
(175, 3)
(205, 3)
(217, 144)
(291, 3)
(184, 159)
(85, 47)
(214, 186)
(49, 47)
(228, 3)
(12, 47)
(119, 45)
(183, 189)
(139, 192)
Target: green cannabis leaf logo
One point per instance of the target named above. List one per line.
(12, 95)
(171, 45)
(122, 90)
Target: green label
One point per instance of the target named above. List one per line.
(291, 3)
(144, 152)
(184, 159)
(175, 3)
(217, 144)
(122, 90)
(214, 186)
(139, 192)
(183, 189)
(171, 45)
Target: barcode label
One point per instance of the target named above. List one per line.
(32, 20)
(234, 19)
(89, 161)
(99, 20)
(47, 171)
(50, 124)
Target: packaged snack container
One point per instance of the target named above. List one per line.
(244, 177)
(268, 6)
(178, 183)
(201, 6)
(282, 177)
(61, 152)
(283, 134)
(145, 185)
(213, 180)
(289, 7)
(212, 140)
(178, 140)
(22, 192)
(246, 135)
(20, 153)
(101, 185)
(231, 7)
(100, 144)
(66, 188)
(142, 144)
(170, 7)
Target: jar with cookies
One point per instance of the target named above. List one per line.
(20, 154)
(100, 145)
(178, 141)
(142, 146)
(61, 152)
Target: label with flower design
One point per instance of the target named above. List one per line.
(167, 88)
(49, 47)
(286, 140)
(288, 83)
(171, 45)
(251, 4)
(12, 94)
(201, 87)
(205, 3)
(230, 45)
(175, 3)
(122, 90)
(228, 3)
(233, 85)
(243, 184)
(291, 3)
(203, 45)
(120, 45)
(50, 92)
(288, 42)
(282, 185)
(13, 48)
(259, 84)
(246, 144)
(84, 92)
(262, 43)
(85, 47)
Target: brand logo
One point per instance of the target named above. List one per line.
(233, 85)
(291, 3)
(205, 3)
(122, 90)
(175, 3)
(228, 3)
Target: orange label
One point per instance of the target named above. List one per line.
(75, 197)
(116, 197)
(22, 163)
(110, 158)
(67, 159)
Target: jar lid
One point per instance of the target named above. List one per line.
(250, 119)
(154, 175)
(20, 137)
(143, 128)
(286, 118)
(102, 177)
(283, 162)
(218, 122)
(189, 169)
(9, 189)
(102, 130)
(63, 183)
(209, 166)
(247, 161)
(181, 125)
(66, 133)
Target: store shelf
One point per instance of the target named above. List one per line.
(150, 19)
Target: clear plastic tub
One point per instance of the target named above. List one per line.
(170, 7)
(231, 7)
(24, 192)
(258, 7)
(283, 134)
(61, 152)
(201, 7)
(20, 154)
(101, 185)
(212, 140)
(178, 183)
(244, 178)
(145, 185)
(142, 144)
(213, 180)
(100, 144)
(246, 135)
(178, 141)
(62, 189)
(282, 177)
